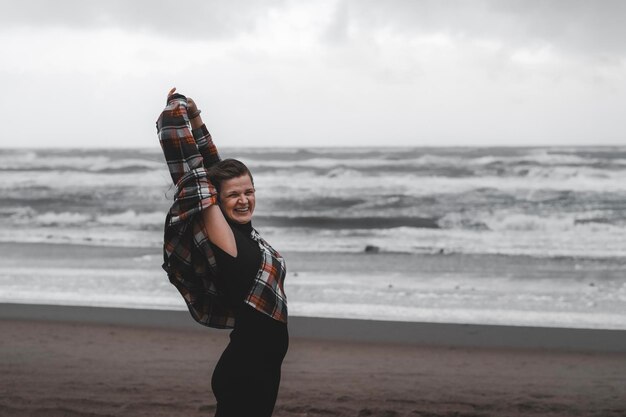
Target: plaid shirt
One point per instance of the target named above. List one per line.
(188, 258)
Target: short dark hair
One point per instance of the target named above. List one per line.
(227, 169)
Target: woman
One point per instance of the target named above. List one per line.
(228, 275)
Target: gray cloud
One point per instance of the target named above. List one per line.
(188, 19)
(337, 30)
(578, 26)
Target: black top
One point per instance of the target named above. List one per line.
(255, 332)
(236, 274)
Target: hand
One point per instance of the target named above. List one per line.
(172, 94)
(192, 108)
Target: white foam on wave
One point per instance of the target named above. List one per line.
(320, 163)
(27, 160)
(514, 220)
(366, 164)
(64, 218)
(607, 243)
(31, 160)
(71, 180)
(401, 183)
(28, 216)
(109, 287)
(81, 235)
(600, 241)
(132, 218)
(538, 156)
(514, 235)
(524, 222)
(533, 160)
(581, 173)
(125, 163)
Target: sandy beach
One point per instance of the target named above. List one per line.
(57, 368)
(89, 361)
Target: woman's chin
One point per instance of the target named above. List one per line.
(246, 218)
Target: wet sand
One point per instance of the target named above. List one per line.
(56, 368)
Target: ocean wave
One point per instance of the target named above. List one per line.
(325, 157)
(502, 169)
(423, 168)
(32, 161)
(534, 157)
(27, 216)
(69, 180)
(80, 235)
(508, 220)
(78, 160)
(322, 222)
(583, 242)
(128, 218)
(597, 243)
(303, 182)
(414, 199)
(298, 154)
(65, 218)
(126, 166)
(132, 218)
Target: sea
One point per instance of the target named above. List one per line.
(539, 203)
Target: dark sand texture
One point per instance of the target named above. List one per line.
(53, 369)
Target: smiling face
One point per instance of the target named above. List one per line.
(237, 199)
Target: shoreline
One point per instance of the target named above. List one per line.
(439, 288)
(339, 329)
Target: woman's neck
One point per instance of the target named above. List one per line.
(243, 227)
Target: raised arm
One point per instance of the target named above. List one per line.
(202, 136)
(179, 146)
(215, 225)
(188, 157)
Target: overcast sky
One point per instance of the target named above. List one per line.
(315, 73)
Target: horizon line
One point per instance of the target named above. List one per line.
(321, 147)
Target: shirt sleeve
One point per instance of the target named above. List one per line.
(179, 146)
(207, 148)
(194, 192)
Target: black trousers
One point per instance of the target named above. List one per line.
(246, 378)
